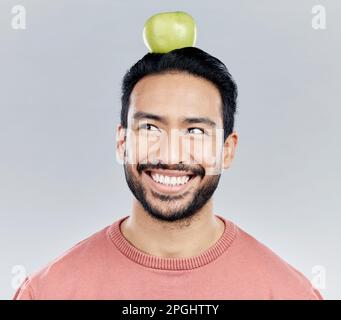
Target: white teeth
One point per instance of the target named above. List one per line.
(173, 181)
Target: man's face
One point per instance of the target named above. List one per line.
(174, 143)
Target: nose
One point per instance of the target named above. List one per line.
(170, 148)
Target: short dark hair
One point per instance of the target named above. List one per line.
(191, 60)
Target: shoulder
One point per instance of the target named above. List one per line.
(275, 275)
(67, 269)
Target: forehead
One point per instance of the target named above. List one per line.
(176, 95)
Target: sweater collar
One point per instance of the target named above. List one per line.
(155, 262)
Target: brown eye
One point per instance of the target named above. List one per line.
(149, 127)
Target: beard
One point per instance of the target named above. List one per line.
(171, 207)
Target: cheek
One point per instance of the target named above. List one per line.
(142, 148)
(209, 154)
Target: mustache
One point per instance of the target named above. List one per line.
(198, 171)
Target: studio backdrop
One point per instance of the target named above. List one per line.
(61, 67)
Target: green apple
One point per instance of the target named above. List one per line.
(166, 31)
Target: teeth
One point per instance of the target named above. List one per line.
(172, 181)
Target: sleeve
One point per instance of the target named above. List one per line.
(25, 291)
(316, 295)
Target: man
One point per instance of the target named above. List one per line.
(175, 137)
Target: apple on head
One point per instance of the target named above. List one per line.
(167, 31)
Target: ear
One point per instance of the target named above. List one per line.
(230, 146)
(120, 143)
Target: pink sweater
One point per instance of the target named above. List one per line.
(107, 266)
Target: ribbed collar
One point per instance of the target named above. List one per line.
(162, 263)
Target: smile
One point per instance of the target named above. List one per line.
(170, 182)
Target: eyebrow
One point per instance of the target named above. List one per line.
(145, 115)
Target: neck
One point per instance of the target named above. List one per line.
(186, 238)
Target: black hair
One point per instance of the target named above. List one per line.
(191, 60)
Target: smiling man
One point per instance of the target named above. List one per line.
(174, 140)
